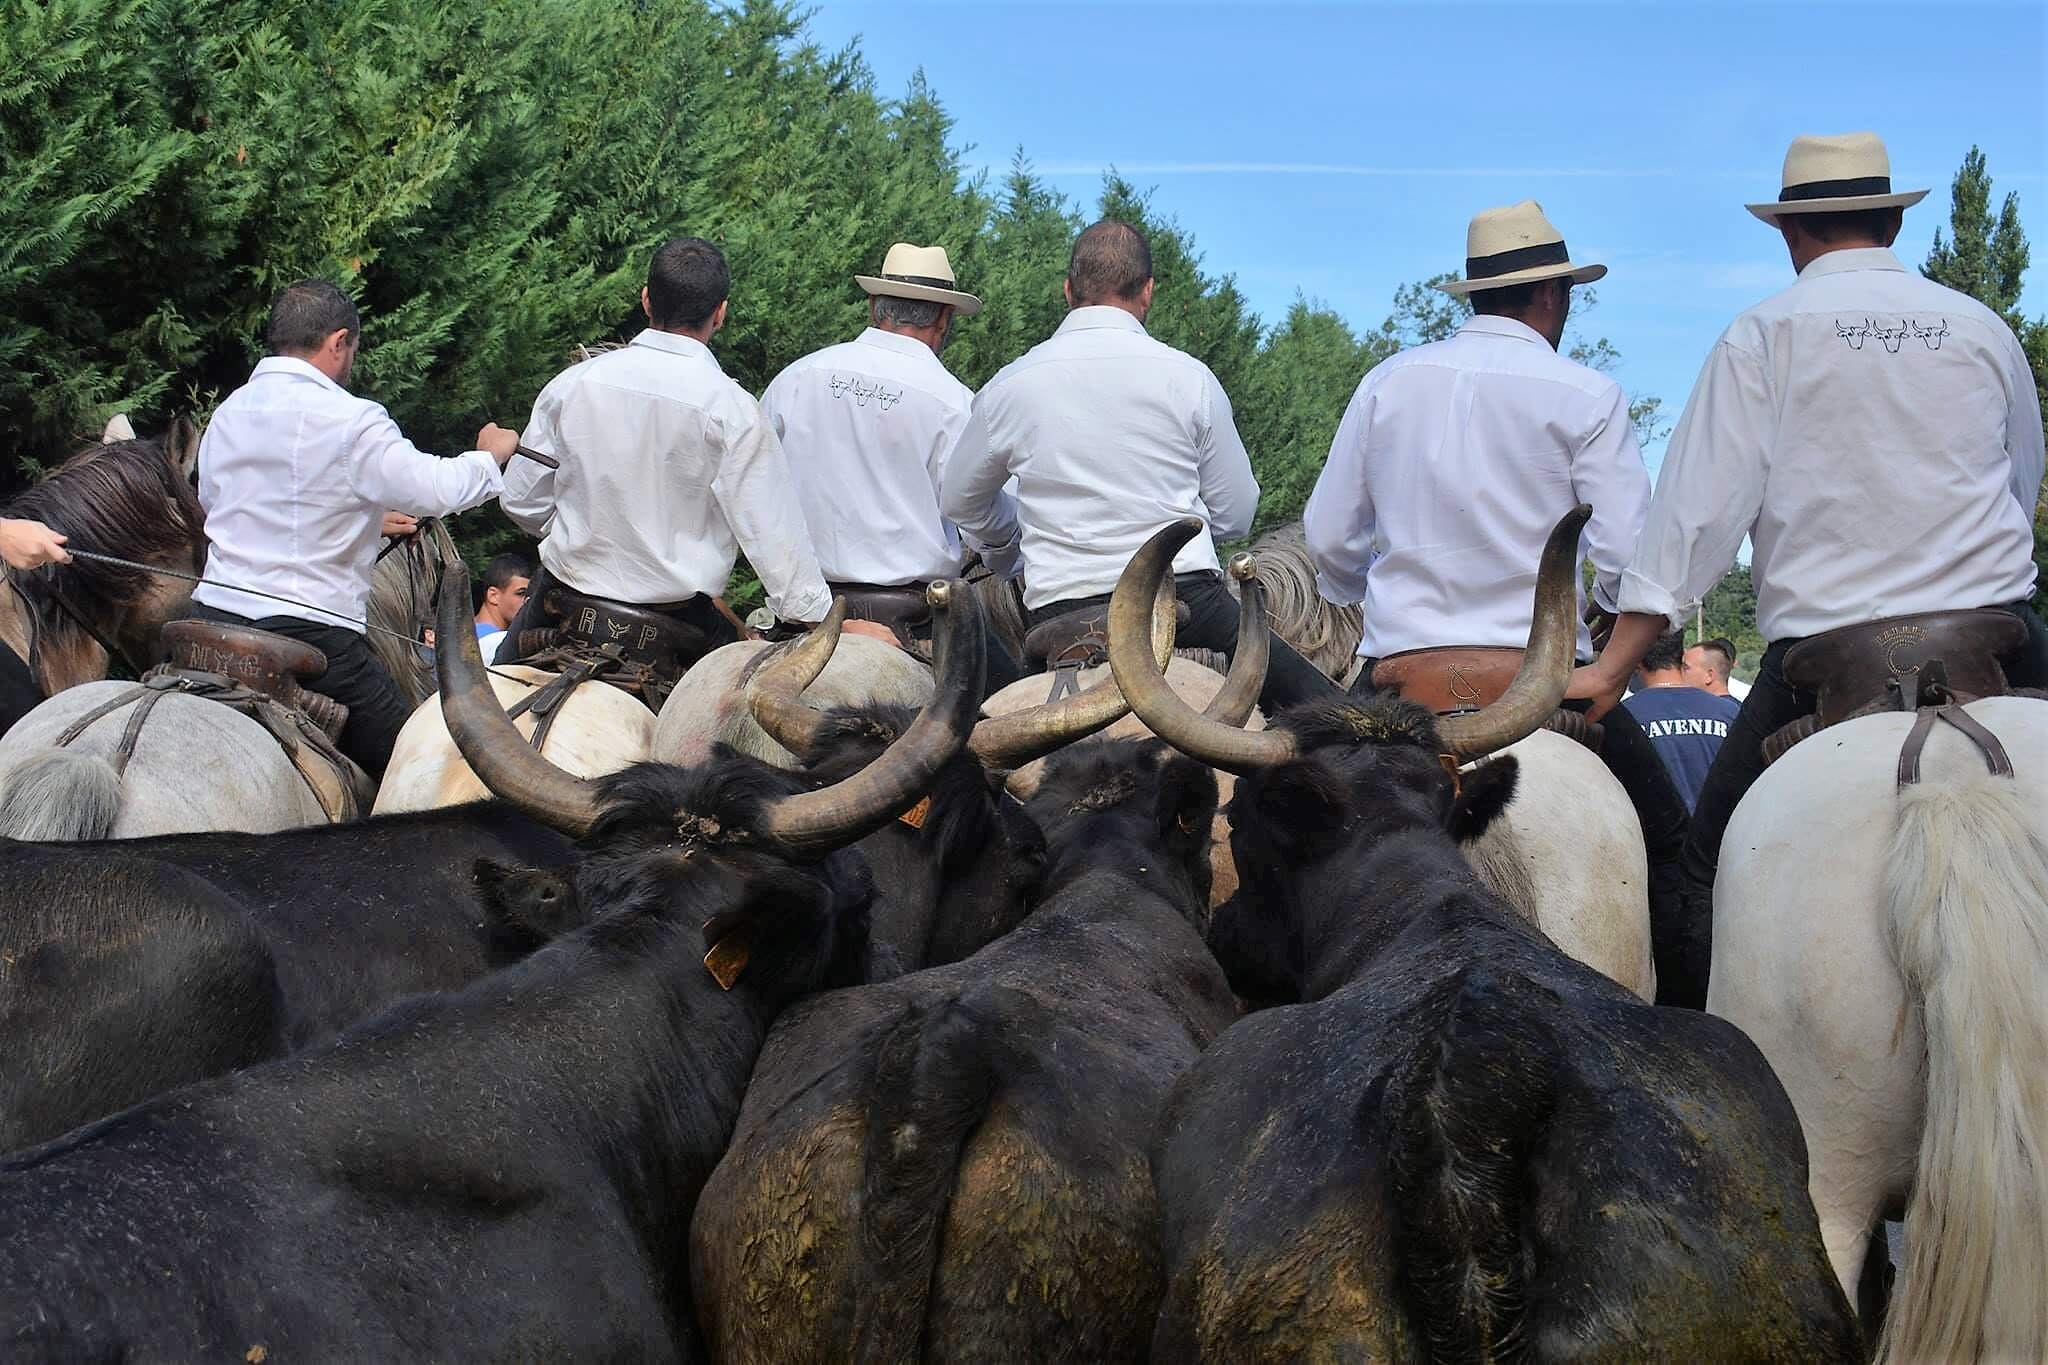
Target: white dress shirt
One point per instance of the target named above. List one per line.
(1111, 435)
(1876, 436)
(667, 470)
(1452, 465)
(867, 426)
(295, 474)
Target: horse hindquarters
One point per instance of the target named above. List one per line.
(1809, 961)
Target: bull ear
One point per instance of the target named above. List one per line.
(528, 905)
(791, 933)
(1301, 807)
(1484, 792)
(1187, 802)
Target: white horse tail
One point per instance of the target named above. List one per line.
(1967, 899)
(60, 794)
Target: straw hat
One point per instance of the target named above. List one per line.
(919, 272)
(1516, 245)
(1837, 174)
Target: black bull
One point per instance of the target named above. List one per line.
(134, 966)
(1482, 1148)
(503, 1172)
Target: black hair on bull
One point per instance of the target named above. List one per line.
(1458, 1126)
(961, 868)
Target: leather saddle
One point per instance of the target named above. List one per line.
(1451, 679)
(272, 665)
(902, 608)
(635, 649)
(1079, 639)
(1900, 663)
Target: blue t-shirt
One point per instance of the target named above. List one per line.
(1687, 725)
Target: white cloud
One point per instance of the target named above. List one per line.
(1334, 168)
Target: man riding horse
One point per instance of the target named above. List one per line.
(1449, 469)
(298, 476)
(663, 469)
(1872, 480)
(868, 425)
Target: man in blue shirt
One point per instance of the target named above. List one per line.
(1685, 724)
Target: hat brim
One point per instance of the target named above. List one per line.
(1578, 274)
(1770, 213)
(966, 304)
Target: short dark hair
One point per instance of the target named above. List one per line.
(1111, 262)
(304, 315)
(503, 568)
(1724, 647)
(1516, 298)
(1855, 225)
(908, 312)
(1667, 651)
(686, 282)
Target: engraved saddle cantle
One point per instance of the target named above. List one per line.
(1899, 663)
(1457, 678)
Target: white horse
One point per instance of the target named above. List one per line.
(1887, 948)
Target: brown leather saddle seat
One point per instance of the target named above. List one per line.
(274, 665)
(1899, 663)
(903, 608)
(1079, 639)
(1452, 679)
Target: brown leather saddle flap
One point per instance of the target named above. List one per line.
(1449, 679)
(639, 635)
(1853, 666)
(1079, 636)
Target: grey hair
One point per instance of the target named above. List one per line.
(907, 312)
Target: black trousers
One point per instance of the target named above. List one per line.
(1212, 624)
(999, 666)
(1771, 705)
(697, 612)
(354, 677)
(1660, 809)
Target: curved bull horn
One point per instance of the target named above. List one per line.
(1233, 702)
(1199, 736)
(1011, 741)
(1546, 669)
(816, 822)
(492, 746)
(775, 693)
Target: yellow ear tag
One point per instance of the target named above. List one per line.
(726, 960)
(1450, 762)
(917, 814)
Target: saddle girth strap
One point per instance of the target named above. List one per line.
(546, 700)
(142, 698)
(1995, 756)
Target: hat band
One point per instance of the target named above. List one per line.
(1521, 258)
(1838, 189)
(928, 281)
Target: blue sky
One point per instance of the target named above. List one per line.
(1338, 149)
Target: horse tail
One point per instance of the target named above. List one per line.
(934, 1074)
(60, 795)
(1465, 1117)
(1966, 891)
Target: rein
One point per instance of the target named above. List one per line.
(120, 563)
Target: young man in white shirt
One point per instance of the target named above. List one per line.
(297, 475)
(1876, 436)
(867, 426)
(1110, 436)
(1453, 462)
(667, 469)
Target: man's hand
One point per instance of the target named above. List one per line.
(500, 442)
(398, 524)
(30, 544)
(1592, 683)
(874, 630)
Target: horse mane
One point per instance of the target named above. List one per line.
(402, 600)
(1326, 635)
(123, 498)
